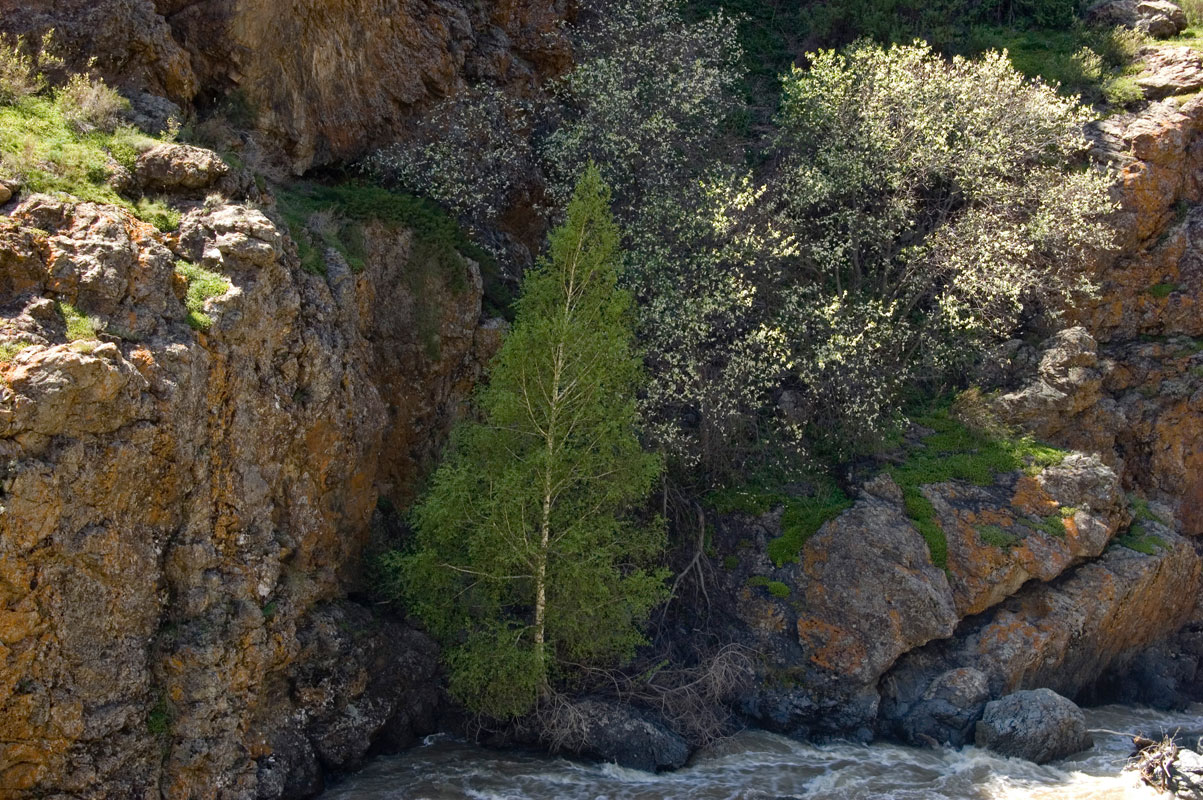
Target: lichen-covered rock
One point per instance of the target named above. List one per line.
(171, 167)
(1063, 635)
(1160, 19)
(1170, 71)
(1039, 725)
(1024, 528)
(181, 508)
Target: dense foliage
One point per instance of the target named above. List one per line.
(526, 557)
(904, 210)
(927, 205)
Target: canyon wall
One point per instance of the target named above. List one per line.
(185, 511)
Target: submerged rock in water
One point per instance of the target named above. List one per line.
(1039, 725)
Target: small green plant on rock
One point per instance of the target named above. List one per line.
(802, 519)
(158, 719)
(1052, 524)
(1163, 290)
(1138, 537)
(995, 536)
(775, 588)
(9, 350)
(79, 325)
(203, 285)
(88, 105)
(156, 212)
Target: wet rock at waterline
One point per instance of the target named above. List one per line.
(1039, 725)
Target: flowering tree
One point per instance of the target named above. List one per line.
(928, 204)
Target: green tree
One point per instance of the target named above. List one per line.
(527, 561)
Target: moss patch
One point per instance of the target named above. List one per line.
(995, 536)
(775, 588)
(802, 515)
(953, 451)
(1163, 290)
(802, 519)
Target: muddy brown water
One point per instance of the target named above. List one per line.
(755, 765)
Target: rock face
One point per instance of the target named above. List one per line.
(321, 80)
(1160, 19)
(1039, 725)
(865, 593)
(184, 510)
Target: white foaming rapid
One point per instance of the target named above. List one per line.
(761, 766)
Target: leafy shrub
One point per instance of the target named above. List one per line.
(156, 212)
(471, 153)
(89, 104)
(21, 63)
(1193, 10)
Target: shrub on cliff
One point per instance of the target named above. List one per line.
(929, 205)
(526, 560)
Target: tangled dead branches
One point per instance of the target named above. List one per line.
(692, 701)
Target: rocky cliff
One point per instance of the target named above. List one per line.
(319, 81)
(185, 507)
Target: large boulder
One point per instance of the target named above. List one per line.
(1170, 71)
(167, 167)
(1160, 19)
(1039, 725)
(948, 710)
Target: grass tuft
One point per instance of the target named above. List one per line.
(79, 325)
(203, 285)
(157, 213)
(775, 588)
(9, 351)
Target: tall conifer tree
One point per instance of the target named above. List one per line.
(526, 559)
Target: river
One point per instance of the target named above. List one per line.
(755, 765)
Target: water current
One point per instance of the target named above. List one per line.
(755, 765)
